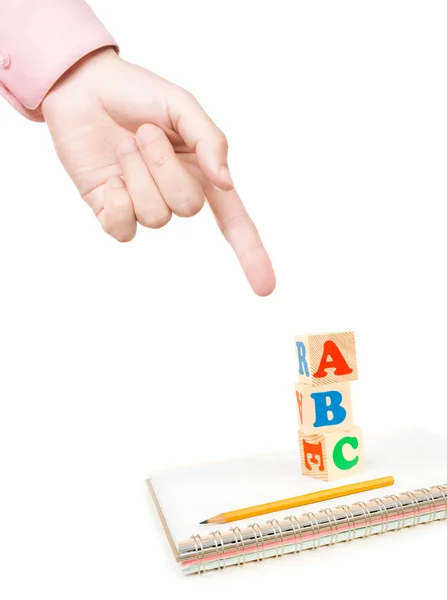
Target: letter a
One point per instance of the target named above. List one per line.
(332, 359)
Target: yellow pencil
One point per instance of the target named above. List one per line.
(320, 496)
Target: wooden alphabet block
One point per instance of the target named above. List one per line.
(324, 408)
(326, 358)
(330, 456)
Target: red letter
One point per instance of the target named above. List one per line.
(299, 397)
(332, 359)
(315, 451)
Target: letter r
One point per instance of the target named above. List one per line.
(302, 360)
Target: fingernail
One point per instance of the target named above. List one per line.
(127, 146)
(147, 133)
(115, 182)
(225, 174)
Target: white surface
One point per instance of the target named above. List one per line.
(189, 495)
(118, 360)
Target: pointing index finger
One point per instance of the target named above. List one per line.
(242, 235)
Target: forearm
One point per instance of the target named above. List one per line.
(39, 41)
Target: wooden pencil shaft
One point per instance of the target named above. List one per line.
(313, 497)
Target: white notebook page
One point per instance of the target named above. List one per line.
(188, 495)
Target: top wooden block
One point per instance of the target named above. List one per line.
(326, 358)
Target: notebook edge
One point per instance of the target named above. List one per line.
(163, 521)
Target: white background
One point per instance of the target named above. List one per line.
(120, 359)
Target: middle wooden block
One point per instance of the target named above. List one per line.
(324, 408)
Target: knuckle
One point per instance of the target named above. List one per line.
(158, 162)
(154, 220)
(179, 96)
(120, 234)
(187, 95)
(236, 222)
(222, 138)
(124, 236)
(154, 130)
(189, 206)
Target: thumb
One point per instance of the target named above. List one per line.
(201, 134)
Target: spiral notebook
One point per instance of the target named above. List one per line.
(187, 495)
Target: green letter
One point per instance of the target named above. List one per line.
(339, 459)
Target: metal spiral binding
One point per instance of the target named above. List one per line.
(350, 520)
(255, 535)
(399, 509)
(215, 534)
(415, 504)
(408, 508)
(200, 565)
(441, 489)
(295, 523)
(432, 503)
(274, 523)
(235, 530)
(330, 513)
(368, 518)
(383, 514)
(315, 525)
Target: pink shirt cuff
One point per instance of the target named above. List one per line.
(39, 41)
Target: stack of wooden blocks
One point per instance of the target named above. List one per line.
(331, 446)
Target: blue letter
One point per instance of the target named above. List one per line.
(323, 408)
(302, 362)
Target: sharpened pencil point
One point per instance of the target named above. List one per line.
(203, 522)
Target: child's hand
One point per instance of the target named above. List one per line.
(176, 159)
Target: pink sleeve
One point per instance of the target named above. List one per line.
(39, 41)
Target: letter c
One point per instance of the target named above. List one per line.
(339, 459)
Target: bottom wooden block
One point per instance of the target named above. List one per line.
(332, 456)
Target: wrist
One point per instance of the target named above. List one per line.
(79, 81)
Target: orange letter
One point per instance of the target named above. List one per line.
(315, 451)
(299, 397)
(332, 359)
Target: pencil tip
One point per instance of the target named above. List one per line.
(203, 522)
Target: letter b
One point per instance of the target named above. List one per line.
(324, 408)
(328, 408)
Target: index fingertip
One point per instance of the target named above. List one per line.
(259, 272)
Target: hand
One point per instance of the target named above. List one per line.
(139, 148)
